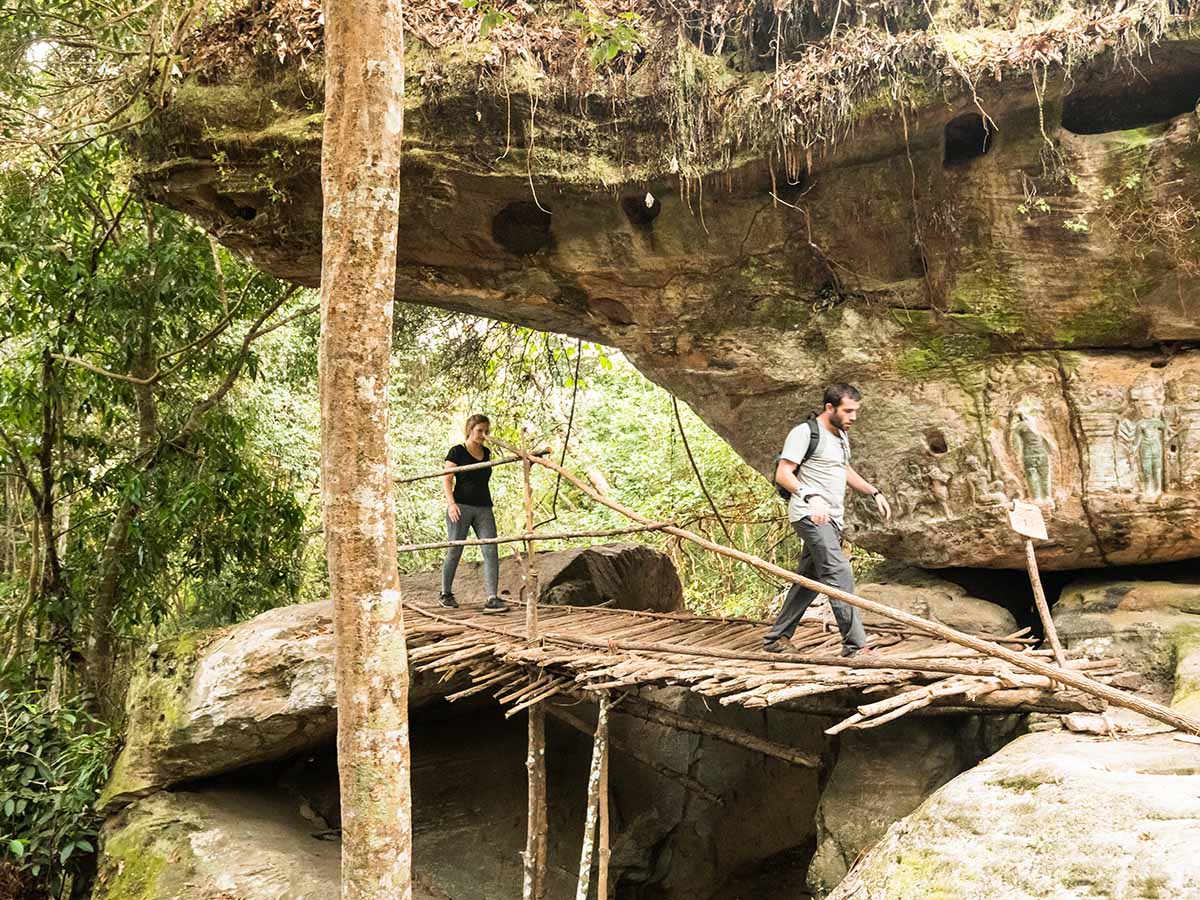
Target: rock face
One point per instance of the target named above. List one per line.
(1052, 815)
(255, 834)
(924, 594)
(1016, 296)
(882, 775)
(216, 843)
(1152, 626)
(209, 703)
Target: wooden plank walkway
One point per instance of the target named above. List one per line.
(588, 650)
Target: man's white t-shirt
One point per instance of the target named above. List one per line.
(822, 473)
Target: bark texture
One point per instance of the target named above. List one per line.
(360, 176)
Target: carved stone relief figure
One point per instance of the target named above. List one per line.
(1033, 451)
(939, 489)
(983, 490)
(1185, 397)
(1149, 441)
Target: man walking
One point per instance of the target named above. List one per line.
(817, 483)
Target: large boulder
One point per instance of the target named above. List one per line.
(220, 700)
(212, 844)
(1052, 815)
(1003, 263)
(926, 595)
(1151, 626)
(881, 775)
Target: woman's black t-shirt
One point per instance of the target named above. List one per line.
(470, 488)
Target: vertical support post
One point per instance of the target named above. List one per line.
(1043, 608)
(535, 761)
(605, 852)
(599, 752)
(535, 836)
(529, 568)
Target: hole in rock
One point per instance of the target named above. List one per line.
(641, 209)
(235, 210)
(936, 441)
(522, 228)
(967, 136)
(1159, 93)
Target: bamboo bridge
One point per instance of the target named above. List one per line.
(585, 651)
(533, 653)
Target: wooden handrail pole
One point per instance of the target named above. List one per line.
(1043, 608)
(1022, 661)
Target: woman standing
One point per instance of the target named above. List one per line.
(469, 505)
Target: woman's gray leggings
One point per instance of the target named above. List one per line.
(484, 522)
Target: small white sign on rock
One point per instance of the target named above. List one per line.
(1026, 519)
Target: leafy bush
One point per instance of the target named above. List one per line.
(56, 758)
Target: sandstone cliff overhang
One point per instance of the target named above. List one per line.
(985, 220)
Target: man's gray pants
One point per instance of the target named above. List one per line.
(823, 561)
(483, 520)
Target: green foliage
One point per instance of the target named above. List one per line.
(610, 37)
(489, 16)
(55, 760)
(101, 293)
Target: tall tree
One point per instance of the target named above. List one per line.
(360, 177)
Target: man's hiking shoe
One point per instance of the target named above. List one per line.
(495, 605)
(448, 601)
(776, 646)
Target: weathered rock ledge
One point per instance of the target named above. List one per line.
(1010, 292)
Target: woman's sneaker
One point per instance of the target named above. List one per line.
(448, 601)
(495, 605)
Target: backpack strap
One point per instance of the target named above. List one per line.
(814, 438)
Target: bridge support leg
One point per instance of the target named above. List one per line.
(535, 838)
(596, 810)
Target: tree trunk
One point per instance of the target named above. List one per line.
(360, 177)
(99, 657)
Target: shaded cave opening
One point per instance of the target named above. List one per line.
(1011, 588)
(523, 228)
(967, 137)
(469, 793)
(1154, 96)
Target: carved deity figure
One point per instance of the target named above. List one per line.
(939, 489)
(984, 491)
(1149, 439)
(1034, 453)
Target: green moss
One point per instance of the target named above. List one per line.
(1115, 316)
(132, 871)
(156, 706)
(922, 875)
(1020, 784)
(919, 363)
(1185, 641)
(986, 292)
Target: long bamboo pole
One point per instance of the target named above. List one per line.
(470, 467)
(518, 538)
(605, 852)
(1043, 608)
(660, 715)
(1019, 660)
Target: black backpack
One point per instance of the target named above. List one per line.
(814, 436)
